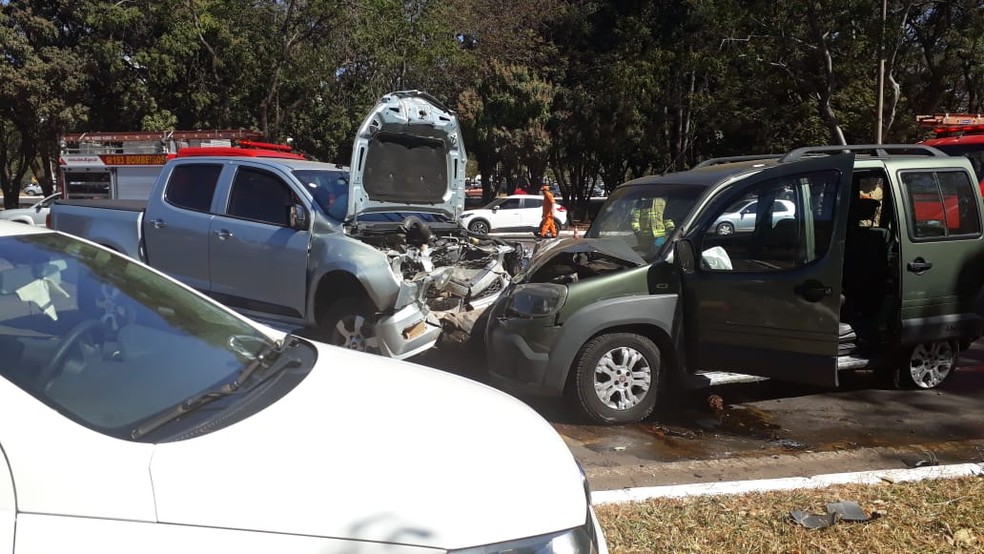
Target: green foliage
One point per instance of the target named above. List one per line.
(585, 91)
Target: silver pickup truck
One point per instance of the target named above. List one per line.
(371, 257)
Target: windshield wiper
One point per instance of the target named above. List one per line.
(264, 359)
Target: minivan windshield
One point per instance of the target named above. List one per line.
(644, 216)
(106, 341)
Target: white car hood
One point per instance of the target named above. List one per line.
(408, 156)
(376, 450)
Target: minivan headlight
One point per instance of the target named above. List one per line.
(579, 540)
(536, 300)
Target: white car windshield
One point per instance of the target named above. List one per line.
(104, 340)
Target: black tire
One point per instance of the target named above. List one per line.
(725, 228)
(479, 226)
(925, 366)
(615, 346)
(350, 323)
(558, 225)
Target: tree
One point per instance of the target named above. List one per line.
(39, 89)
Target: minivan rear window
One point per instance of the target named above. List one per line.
(941, 204)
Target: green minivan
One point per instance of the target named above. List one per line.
(794, 267)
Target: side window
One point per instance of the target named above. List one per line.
(260, 196)
(940, 204)
(778, 225)
(191, 186)
(532, 202)
(510, 204)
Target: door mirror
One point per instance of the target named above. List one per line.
(495, 208)
(298, 217)
(683, 253)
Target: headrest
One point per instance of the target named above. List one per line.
(864, 209)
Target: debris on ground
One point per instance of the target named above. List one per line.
(922, 459)
(836, 511)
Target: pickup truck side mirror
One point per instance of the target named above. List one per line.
(683, 253)
(298, 217)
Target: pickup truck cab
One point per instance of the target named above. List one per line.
(878, 265)
(371, 257)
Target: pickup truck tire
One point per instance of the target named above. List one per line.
(616, 378)
(926, 365)
(350, 323)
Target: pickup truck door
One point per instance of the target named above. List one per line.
(767, 301)
(258, 262)
(177, 222)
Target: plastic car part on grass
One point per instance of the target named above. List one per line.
(836, 511)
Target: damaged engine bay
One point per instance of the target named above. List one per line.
(452, 271)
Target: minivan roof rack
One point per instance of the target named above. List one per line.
(880, 150)
(733, 159)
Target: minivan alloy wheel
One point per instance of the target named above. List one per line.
(622, 378)
(930, 363)
(616, 378)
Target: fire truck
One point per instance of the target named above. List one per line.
(957, 134)
(124, 165)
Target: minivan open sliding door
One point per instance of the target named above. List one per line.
(765, 300)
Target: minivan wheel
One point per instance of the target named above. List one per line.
(479, 226)
(616, 378)
(351, 323)
(725, 228)
(929, 364)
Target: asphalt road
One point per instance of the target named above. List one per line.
(771, 429)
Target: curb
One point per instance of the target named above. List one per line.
(873, 477)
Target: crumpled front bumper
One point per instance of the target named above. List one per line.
(406, 333)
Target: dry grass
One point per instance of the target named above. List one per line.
(945, 515)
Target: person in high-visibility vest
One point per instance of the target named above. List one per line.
(547, 226)
(649, 224)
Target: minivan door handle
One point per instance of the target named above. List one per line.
(919, 266)
(223, 234)
(158, 223)
(813, 291)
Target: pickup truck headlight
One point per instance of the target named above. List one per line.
(579, 540)
(536, 300)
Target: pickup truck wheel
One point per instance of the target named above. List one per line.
(617, 378)
(350, 323)
(927, 365)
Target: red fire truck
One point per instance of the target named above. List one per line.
(958, 134)
(124, 165)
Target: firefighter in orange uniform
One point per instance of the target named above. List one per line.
(547, 226)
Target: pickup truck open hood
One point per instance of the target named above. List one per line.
(408, 157)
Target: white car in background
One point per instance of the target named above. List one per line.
(35, 215)
(138, 415)
(741, 216)
(517, 212)
(33, 189)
